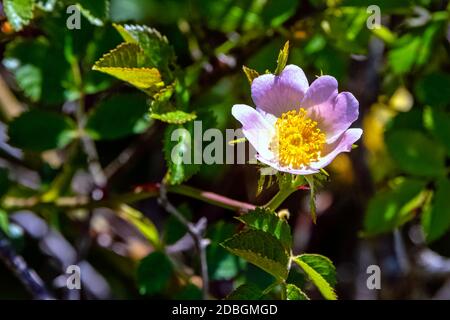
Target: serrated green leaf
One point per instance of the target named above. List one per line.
(96, 11)
(391, 208)
(436, 217)
(156, 46)
(415, 153)
(246, 291)
(321, 271)
(153, 273)
(267, 221)
(261, 249)
(295, 293)
(128, 63)
(18, 12)
(282, 58)
(118, 116)
(38, 130)
(250, 73)
(175, 117)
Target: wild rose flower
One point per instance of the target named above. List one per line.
(297, 128)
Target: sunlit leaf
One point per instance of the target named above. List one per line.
(321, 271)
(391, 208)
(128, 63)
(174, 117)
(282, 58)
(295, 293)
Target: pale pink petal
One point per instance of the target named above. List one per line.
(274, 164)
(255, 128)
(343, 144)
(278, 94)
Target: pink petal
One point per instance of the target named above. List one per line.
(255, 128)
(278, 94)
(274, 164)
(343, 144)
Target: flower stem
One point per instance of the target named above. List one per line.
(286, 189)
(279, 198)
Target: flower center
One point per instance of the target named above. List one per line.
(298, 141)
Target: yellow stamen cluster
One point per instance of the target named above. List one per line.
(298, 141)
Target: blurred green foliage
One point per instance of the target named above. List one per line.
(192, 52)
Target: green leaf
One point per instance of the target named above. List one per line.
(118, 116)
(179, 170)
(156, 46)
(38, 130)
(154, 273)
(267, 221)
(438, 122)
(261, 249)
(96, 11)
(391, 208)
(415, 153)
(4, 222)
(141, 222)
(40, 69)
(222, 265)
(184, 147)
(128, 63)
(18, 12)
(276, 12)
(321, 271)
(295, 293)
(432, 89)
(175, 117)
(436, 217)
(250, 73)
(403, 57)
(282, 58)
(246, 291)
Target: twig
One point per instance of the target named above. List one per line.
(83, 202)
(196, 234)
(27, 276)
